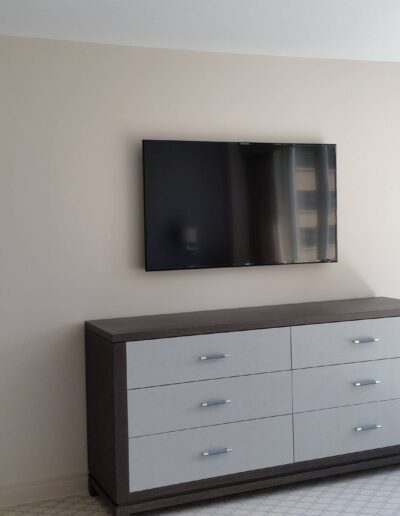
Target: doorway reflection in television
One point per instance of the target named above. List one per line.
(215, 204)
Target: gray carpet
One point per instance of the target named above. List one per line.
(373, 493)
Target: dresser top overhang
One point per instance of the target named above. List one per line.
(148, 327)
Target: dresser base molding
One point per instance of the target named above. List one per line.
(203, 490)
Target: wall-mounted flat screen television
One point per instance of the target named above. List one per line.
(227, 204)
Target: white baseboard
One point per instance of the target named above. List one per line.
(46, 489)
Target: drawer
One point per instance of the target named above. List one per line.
(177, 359)
(325, 433)
(346, 384)
(350, 341)
(177, 457)
(177, 407)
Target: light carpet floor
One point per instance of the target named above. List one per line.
(373, 493)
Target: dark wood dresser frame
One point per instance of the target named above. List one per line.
(106, 385)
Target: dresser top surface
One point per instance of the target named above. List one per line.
(239, 319)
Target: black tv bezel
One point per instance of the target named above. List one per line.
(161, 269)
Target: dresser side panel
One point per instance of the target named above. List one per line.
(105, 378)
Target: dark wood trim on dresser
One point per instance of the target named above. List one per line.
(237, 319)
(107, 417)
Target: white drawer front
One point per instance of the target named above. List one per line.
(175, 360)
(177, 457)
(337, 343)
(325, 433)
(177, 407)
(346, 384)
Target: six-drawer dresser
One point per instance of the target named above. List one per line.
(192, 406)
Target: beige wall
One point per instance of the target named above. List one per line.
(71, 120)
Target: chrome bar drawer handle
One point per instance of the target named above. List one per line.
(214, 357)
(367, 427)
(215, 403)
(216, 452)
(361, 383)
(365, 340)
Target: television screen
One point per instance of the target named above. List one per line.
(225, 204)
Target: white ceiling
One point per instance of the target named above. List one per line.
(346, 29)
